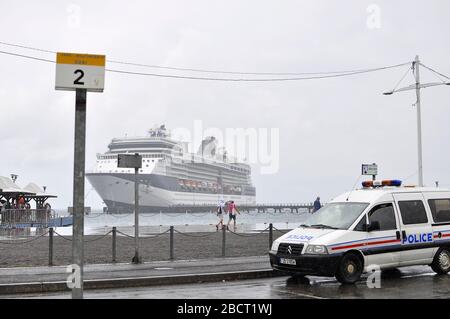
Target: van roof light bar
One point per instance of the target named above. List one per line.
(384, 183)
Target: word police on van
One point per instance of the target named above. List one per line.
(381, 224)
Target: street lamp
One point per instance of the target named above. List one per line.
(418, 86)
(14, 177)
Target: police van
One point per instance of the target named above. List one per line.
(382, 224)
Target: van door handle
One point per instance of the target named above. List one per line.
(398, 235)
(404, 235)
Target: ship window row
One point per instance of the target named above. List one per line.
(114, 157)
(124, 171)
(107, 162)
(214, 169)
(151, 155)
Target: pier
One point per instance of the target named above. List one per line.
(16, 206)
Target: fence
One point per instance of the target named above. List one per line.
(11, 217)
(114, 233)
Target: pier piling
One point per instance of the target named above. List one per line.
(171, 243)
(50, 246)
(114, 236)
(224, 235)
(270, 235)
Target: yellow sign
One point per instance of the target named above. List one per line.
(80, 71)
(80, 59)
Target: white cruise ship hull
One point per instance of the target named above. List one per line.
(117, 192)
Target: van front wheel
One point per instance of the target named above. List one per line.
(350, 269)
(441, 261)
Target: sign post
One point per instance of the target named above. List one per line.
(133, 161)
(80, 73)
(78, 188)
(370, 169)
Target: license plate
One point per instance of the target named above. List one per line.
(288, 261)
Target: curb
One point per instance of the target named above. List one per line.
(61, 286)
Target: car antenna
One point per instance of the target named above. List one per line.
(353, 188)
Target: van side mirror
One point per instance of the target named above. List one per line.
(373, 226)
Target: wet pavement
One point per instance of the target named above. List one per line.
(21, 275)
(406, 283)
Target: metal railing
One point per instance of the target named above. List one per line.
(17, 216)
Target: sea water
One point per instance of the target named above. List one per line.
(98, 222)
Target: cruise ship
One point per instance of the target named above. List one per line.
(170, 175)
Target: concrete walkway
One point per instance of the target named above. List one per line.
(52, 279)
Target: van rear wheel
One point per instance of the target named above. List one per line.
(441, 261)
(349, 269)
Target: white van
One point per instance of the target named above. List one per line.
(382, 224)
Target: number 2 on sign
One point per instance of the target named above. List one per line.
(77, 80)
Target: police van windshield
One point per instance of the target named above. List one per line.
(335, 216)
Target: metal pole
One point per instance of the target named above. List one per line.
(114, 237)
(419, 120)
(270, 235)
(78, 188)
(224, 235)
(50, 246)
(136, 258)
(171, 243)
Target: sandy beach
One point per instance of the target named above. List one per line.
(98, 250)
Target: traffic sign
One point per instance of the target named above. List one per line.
(369, 169)
(129, 160)
(80, 71)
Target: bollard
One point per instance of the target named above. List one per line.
(270, 235)
(114, 236)
(171, 243)
(50, 246)
(224, 235)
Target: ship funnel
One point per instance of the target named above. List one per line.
(208, 147)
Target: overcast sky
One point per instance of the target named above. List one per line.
(328, 128)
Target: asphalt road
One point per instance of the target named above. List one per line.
(406, 283)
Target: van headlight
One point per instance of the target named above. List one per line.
(316, 250)
(275, 245)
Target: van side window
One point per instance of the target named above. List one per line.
(361, 225)
(440, 209)
(413, 212)
(385, 215)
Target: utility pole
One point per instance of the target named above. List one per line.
(417, 87)
(419, 121)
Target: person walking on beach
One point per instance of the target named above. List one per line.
(232, 210)
(317, 204)
(220, 211)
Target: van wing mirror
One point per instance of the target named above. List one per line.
(373, 226)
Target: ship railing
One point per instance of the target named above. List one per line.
(15, 216)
